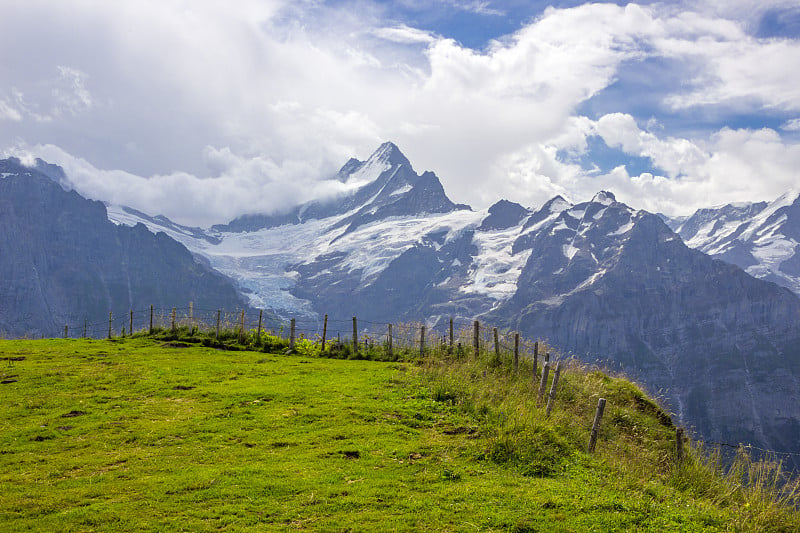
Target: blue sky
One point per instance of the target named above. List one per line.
(203, 111)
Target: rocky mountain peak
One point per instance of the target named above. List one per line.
(388, 152)
(504, 215)
(604, 197)
(352, 166)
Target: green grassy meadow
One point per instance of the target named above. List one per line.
(139, 434)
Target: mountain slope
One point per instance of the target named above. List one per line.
(62, 261)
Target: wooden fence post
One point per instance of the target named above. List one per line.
(174, 311)
(552, 398)
(355, 336)
(391, 350)
(260, 316)
(422, 341)
(516, 353)
(218, 313)
(476, 344)
(679, 445)
(85, 323)
(543, 383)
(130, 329)
(598, 417)
(191, 315)
(151, 319)
(110, 320)
(291, 334)
(496, 344)
(241, 328)
(535, 358)
(66, 329)
(450, 349)
(324, 331)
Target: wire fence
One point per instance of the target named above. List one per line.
(456, 334)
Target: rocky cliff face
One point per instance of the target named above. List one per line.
(62, 261)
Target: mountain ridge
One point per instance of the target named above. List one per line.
(762, 238)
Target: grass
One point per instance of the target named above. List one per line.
(147, 434)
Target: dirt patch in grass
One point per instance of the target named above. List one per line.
(176, 345)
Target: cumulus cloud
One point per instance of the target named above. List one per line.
(211, 110)
(678, 157)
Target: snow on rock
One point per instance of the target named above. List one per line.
(496, 268)
(760, 238)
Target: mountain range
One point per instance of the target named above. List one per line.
(599, 280)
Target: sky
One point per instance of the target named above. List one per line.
(203, 110)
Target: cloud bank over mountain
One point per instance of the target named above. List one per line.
(204, 112)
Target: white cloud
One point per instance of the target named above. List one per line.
(732, 67)
(792, 125)
(678, 157)
(9, 112)
(239, 185)
(404, 34)
(477, 6)
(72, 95)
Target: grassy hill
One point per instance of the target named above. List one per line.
(144, 434)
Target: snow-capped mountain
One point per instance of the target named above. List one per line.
(762, 238)
(385, 185)
(598, 279)
(390, 210)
